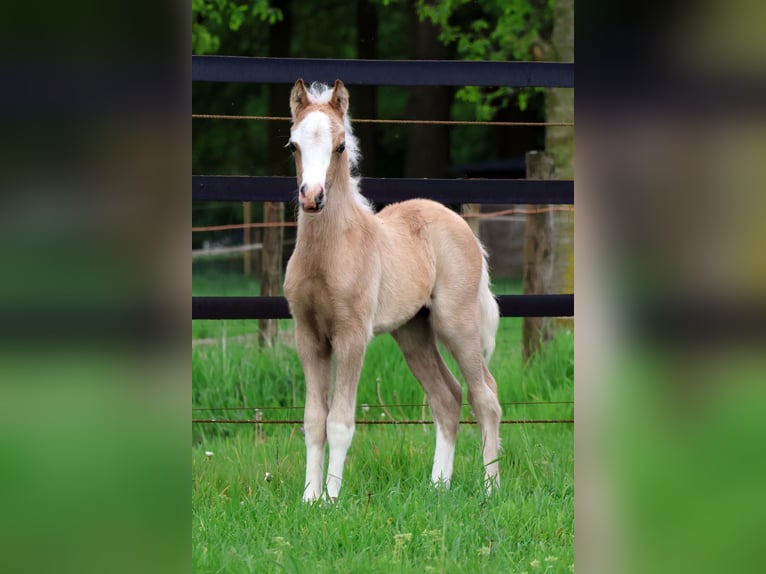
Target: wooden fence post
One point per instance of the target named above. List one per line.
(271, 265)
(538, 258)
(247, 239)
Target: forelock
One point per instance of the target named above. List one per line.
(320, 94)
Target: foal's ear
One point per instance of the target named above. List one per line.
(339, 99)
(299, 98)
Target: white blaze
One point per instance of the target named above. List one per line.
(314, 138)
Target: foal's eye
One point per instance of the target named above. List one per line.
(291, 147)
(341, 147)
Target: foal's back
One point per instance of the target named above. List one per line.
(427, 251)
(437, 232)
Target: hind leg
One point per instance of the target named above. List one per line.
(418, 344)
(457, 327)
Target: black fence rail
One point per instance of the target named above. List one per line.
(391, 73)
(382, 72)
(276, 307)
(252, 188)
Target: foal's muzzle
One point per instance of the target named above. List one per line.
(311, 198)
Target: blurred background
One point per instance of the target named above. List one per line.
(671, 289)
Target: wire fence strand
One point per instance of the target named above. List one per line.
(244, 226)
(365, 407)
(391, 121)
(378, 406)
(472, 214)
(377, 422)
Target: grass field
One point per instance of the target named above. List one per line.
(388, 517)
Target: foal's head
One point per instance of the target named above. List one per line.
(322, 142)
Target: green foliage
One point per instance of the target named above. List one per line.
(489, 29)
(495, 30)
(211, 19)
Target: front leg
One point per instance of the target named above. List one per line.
(349, 355)
(315, 358)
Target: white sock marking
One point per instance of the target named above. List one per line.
(444, 457)
(314, 471)
(339, 437)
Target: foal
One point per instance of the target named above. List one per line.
(415, 270)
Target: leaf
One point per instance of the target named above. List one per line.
(203, 42)
(523, 100)
(236, 19)
(498, 30)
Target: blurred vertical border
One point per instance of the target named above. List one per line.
(96, 284)
(671, 286)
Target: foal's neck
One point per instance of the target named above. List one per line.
(342, 211)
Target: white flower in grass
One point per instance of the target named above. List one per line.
(278, 552)
(400, 542)
(280, 541)
(269, 477)
(209, 453)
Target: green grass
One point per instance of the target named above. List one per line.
(388, 517)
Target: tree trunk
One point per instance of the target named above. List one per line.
(428, 147)
(559, 102)
(247, 235)
(274, 213)
(538, 259)
(366, 97)
(559, 143)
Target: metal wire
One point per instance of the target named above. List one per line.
(391, 406)
(379, 422)
(379, 121)
(485, 215)
(245, 226)
(390, 421)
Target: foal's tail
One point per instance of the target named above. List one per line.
(489, 312)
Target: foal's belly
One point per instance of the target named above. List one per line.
(397, 307)
(407, 279)
(385, 325)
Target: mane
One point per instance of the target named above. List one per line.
(320, 93)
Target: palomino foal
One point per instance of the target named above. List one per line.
(415, 270)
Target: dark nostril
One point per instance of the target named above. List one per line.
(303, 190)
